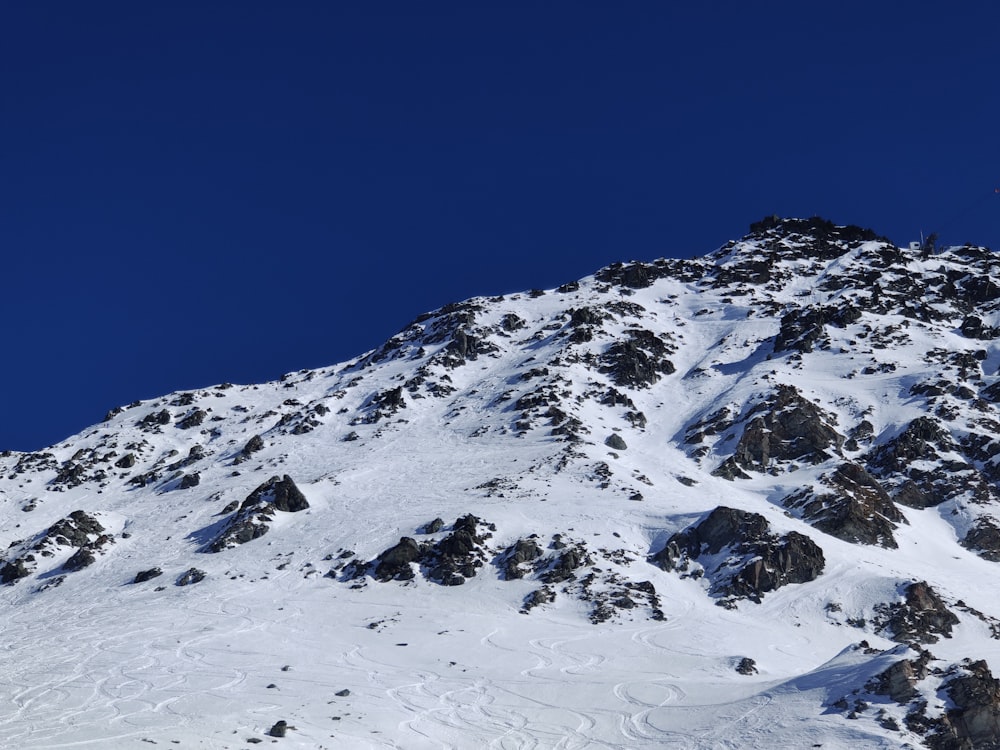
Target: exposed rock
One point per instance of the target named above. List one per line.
(564, 566)
(194, 419)
(616, 442)
(279, 729)
(803, 328)
(251, 520)
(747, 666)
(77, 530)
(190, 480)
(973, 720)
(458, 555)
(755, 560)
(544, 595)
(920, 618)
(856, 509)
(899, 681)
(786, 427)
(253, 445)
(281, 493)
(192, 575)
(984, 539)
(154, 420)
(638, 361)
(730, 469)
(515, 556)
(126, 462)
(14, 570)
(923, 438)
(146, 575)
(449, 561)
(432, 527)
(80, 559)
(394, 563)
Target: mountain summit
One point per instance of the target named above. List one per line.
(745, 500)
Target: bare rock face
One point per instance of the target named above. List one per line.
(786, 427)
(394, 563)
(899, 681)
(146, 575)
(973, 723)
(921, 617)
(803, 328)
(517, 556)
(78, 530)
(449, 561)
(923, 439)
(251, 520)
(856, 508)
(984, 539)
(740, 555)
(638, 360)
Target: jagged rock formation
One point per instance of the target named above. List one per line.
(448, 561)
(740, 555)
(252, 519)
(852, 506)
(920, 618)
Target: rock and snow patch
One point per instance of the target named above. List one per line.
(740, 556)
(256, 513)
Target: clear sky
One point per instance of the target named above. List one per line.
(198, 192)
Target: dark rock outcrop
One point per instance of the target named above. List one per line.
(899, 681)
(984, 539)
(252, 519)
(145, 575)
(253, 445)
(921, 617)
(746, 666)
(786, 427)
(449, 561)
(754, 562)
(79, 560)
(973, 720)
(856, 508)
(638, 361)
(516, 556)
(15, 570)
(803, 328)
(616, 442)
(192, 575)
(126, 462)
(394, 563)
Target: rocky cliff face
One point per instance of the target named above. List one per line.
(772, 417)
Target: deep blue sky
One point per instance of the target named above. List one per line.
(196, 192)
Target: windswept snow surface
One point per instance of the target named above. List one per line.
(279, 629)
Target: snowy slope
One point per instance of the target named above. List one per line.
(831, 393)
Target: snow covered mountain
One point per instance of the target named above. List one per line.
(745, 500)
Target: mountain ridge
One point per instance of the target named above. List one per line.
(791, 437)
